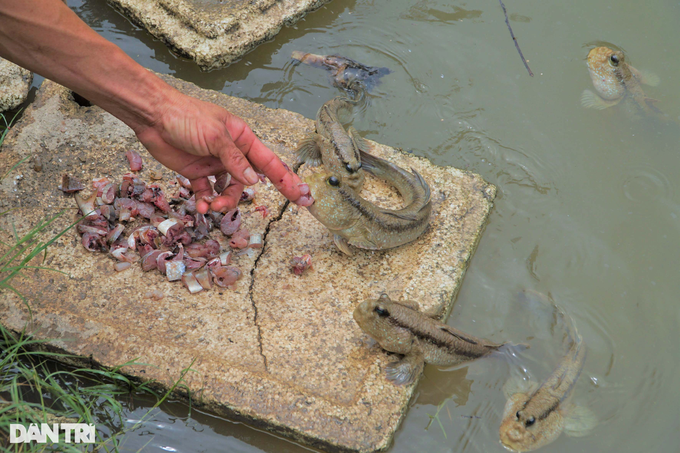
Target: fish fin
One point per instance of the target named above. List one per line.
(342, 244)
(408, 304)
(648, 78)
(359, 142)
(364, 244)
(432, 312)
(591, 100)
(451, 331)
(398, 215)
(371, 163)
(651, 103)
(406, 370)
(579, 421)
(512, 348)
(309, 151)
(516, 385)
(381, 71)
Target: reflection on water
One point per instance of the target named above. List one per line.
(588, 206)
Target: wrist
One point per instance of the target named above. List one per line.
(134, 94)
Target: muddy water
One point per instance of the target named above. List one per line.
(588, 206)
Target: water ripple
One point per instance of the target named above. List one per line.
(643, 185)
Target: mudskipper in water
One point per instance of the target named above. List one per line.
(358, 222)
(535, 415)
(347, 74)
(617, 82)
(399, 327)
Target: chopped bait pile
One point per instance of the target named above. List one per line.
(174, 240)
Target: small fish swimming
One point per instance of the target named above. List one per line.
(347, 74)
(337, 148)
(535, 415)
(358, 222)
(399, 327)
(616, 81)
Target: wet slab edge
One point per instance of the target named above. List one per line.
(214, 35)
(280, 352)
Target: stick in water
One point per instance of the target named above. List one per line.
(524, 60)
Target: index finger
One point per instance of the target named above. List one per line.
(268, 163)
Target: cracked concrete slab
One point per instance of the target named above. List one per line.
(280, 352)
(214, 33)
(15, 82)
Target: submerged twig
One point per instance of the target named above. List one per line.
(524, 60)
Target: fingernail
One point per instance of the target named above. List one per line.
(250, 176)
(305, 200)
(304, 188)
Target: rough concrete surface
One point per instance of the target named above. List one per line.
(15, 82)
(214, 33)
(280, 351)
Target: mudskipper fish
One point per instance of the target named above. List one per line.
(358, 222)
(617, 82)
(536, 414)
(401, 328)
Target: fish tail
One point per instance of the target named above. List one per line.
(537, 301)
(569, 326)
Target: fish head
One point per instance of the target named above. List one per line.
(522, 431)
(607, 70)
(331, 206)
(373, 317)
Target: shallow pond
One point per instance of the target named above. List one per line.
(588, 206)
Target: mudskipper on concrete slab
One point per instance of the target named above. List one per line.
(355, 221)
(401, 328)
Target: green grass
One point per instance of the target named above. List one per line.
(436, 417)
(4, 127)
(35, 387)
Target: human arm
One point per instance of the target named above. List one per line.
(192, 137)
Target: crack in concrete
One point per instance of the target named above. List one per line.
(252, 281)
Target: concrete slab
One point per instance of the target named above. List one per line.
(214, 33)
(280, 352)
(15, 82)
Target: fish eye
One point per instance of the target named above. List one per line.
(349, 168)
(530, 421)
(383, 313)
(614, 59)
(333, 181)
(517, 415)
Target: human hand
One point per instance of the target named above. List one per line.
(198, 139)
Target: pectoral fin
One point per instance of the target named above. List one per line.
(309, 151)
(591, 100)
(406, 370)
(651, 103)
(342, 244)
(364, 243)
(579, 421)
(648, 78)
